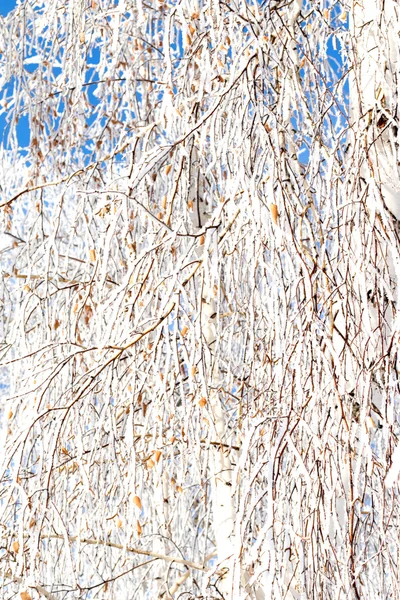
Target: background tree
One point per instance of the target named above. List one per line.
(199, 300)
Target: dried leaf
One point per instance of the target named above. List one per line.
(139, 528)
(25, 596)
(137, 502)
(274, 213)
(15, 547)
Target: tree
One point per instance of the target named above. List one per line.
(199, 300)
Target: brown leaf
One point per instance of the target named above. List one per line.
(139, 528)
(15, 547)
(25, 596)
(274, 212)
(137, 502)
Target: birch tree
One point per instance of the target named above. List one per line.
(199, 323)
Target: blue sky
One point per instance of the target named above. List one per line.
(6, 6)
(23, 127)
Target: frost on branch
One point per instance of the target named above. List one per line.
(199, 391)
